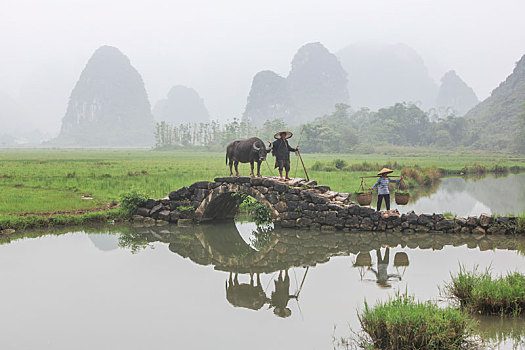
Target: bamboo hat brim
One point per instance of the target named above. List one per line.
(385, 171)
(278, 135)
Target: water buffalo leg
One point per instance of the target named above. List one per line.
(258, 169)
(231, 164)
(237, 168)
(251, 167)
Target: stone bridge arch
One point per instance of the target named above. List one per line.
(220, 204)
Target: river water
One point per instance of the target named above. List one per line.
(169, 287)
(166, 287)
(468, 196)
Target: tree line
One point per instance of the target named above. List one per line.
(342, 131)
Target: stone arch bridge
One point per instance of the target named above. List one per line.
(306, 205)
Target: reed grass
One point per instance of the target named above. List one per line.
(403, 322)
(481, 293)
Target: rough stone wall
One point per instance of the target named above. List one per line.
(306, 205)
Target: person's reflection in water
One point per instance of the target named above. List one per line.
(250, 296)
(382, 274)
(281, 295)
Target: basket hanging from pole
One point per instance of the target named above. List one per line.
(364, 197)
(401, 198)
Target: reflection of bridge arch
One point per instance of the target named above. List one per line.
(220, 204)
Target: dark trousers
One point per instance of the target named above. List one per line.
(380, 199)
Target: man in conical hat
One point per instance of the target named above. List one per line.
(281, 150)
(382, 187)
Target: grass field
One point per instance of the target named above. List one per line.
(51, 180)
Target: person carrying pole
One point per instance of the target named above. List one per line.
(281, 150)
(382, 187)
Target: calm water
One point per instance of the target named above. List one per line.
(466, 197)
(90, 291)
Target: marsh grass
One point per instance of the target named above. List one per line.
(479, 292)
(403, 322)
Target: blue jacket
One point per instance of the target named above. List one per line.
(382, 185)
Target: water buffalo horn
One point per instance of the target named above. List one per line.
(269, 149)
(256, 148)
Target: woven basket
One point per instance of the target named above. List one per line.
(402, 198)
(363, 259)
(364, 198)
(401, 259)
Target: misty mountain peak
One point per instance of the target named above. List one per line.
(499, 112)
(183, 105)
(456, 94)
(268, 99)
(316, 83)
(108, 105)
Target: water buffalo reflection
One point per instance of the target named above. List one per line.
(250, 296)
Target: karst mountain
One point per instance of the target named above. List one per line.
(182, 105)
(108, 106)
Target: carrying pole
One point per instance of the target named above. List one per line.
(305, 172)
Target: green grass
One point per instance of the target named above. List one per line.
(405, 323)
(51, 180)
(481, 293)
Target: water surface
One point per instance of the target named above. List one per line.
(89, 291)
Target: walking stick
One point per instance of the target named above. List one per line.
(306, 173)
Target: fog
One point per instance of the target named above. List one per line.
(216, 47)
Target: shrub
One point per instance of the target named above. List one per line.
(404, 323)
(130, 201)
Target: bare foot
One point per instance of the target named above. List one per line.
(287, 178)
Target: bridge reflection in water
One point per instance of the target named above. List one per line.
(270, 251)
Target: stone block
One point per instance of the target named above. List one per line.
(292, 197)
(269, 182)
(150, 203)
(164, 215)
(353, 209)
(200, 185)
(424, 219)
(478, 230)
(290, 215)
(366, 211)
(412, 218)
(292, 205)
(181, 193)
(288, 223)
(256, 181)
(311, 183)
(497, 230)
(367, 224)
(472, 221)
(281, 207)
(156, 209)
(445, 225)
(280, 187)
(485, 220)
(336, 207)
(174, 216)
(187, 214)
(319, 199)
(322, 188)
(143, 212)
(353, 222)
(303, 222)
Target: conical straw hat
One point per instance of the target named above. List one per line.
(384, 171)
(278, 135)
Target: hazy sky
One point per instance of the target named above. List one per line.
(217, 46)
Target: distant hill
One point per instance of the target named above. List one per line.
(383, 75)
(316, 83)
(456, 94)
(182, 105)
(108, 106)
(497, 116)
(268, 99)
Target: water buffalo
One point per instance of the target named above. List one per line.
(247, 151)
